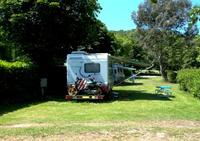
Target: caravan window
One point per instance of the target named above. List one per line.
(92, 68)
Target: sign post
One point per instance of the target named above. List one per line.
(43, 85)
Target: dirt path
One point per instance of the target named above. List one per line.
(173, 130)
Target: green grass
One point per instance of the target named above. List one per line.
(136, 103)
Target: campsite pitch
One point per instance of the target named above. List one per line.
(138, 114)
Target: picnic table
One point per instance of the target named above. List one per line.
(165, 90)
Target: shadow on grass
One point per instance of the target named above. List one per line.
(130, 84)
(131, 95)
(124, 95)
(141, 77)
(6, 108)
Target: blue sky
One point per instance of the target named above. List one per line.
(116, 14)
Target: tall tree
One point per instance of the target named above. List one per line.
(127, 45)
(48, 29)
(158, 25)
(197, 45)
(195, 14)
(99, 39)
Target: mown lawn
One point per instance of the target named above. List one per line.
(138, 111)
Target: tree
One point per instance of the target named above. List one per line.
(154, 1)
(99, 39)
(159, 25)
(197, 45)
(195, 14)
(127, 45)
(47, 30)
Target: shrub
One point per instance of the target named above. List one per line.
(171, 76)
(127, 73)
(189, 80)
(18, 81)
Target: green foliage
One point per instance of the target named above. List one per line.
(98, 40)
(154, 1)
(195, 14)
(127, 73)
(161, 31)
(189, 80)
(47, 30)
(198, 57)
(5, 47)
(10, 65)
(127, 45)
(197, 47)
(171, 76)
(18, 82)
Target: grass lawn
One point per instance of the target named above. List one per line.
(137, 114)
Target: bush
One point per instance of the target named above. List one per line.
(171, 76)
(19, 81)
(189, 80)
(127, 72)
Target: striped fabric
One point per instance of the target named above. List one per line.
(81, 84)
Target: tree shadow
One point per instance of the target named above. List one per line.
(124, 95)
(7, 108)
(130, 84)
(131, 95)
(11, 107)
(141, 77)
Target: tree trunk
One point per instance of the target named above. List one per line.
(162, 67)
(163, 72)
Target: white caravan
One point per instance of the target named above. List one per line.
(118, 73)
(90, 76)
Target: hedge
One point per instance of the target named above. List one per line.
(189, 80)
(18, 82)
(171, 76)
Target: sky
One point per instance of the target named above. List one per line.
(116, 14)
